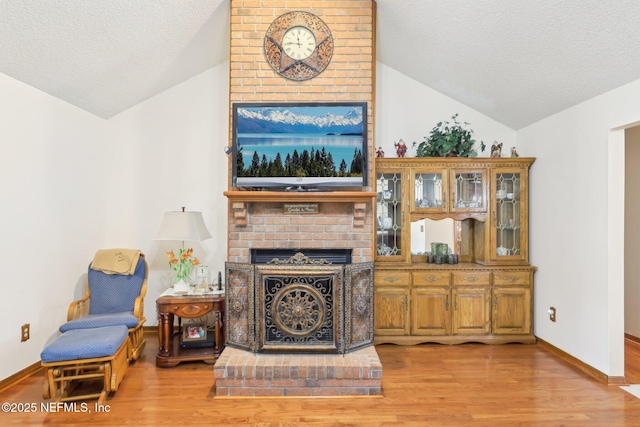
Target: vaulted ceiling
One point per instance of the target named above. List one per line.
(516, 61)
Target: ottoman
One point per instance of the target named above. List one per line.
(80, 355)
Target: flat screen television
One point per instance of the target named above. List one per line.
(299, 146)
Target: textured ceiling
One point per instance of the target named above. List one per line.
(515, 61)
(106, 56)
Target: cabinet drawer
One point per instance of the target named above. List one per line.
(189, 311)
(428, 278)
(502, 278)
(389, 278)
(471, 278)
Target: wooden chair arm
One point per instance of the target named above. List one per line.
(138, 307)
(78, 308)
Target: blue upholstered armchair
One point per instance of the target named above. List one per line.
(113, 299)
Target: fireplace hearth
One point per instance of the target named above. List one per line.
(289, 301)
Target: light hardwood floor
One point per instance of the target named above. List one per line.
(424, 385)
(632, 361)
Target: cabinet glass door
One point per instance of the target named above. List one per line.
(469, 190)
(390, 244)
(507, 241)
(429, 191)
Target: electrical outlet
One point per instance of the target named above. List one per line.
(552, 314)
(25, 332)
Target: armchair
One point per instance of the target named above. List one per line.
(111, 300)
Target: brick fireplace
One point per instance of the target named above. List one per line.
(344, 220)
(242, 373)
(263, 225)
(299, 326)
(316, 302)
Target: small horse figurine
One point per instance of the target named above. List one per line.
(496, 149)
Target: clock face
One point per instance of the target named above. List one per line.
(299, 43)
(202, 271)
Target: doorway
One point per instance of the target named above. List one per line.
(632, 254)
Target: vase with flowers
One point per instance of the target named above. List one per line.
(182, 266)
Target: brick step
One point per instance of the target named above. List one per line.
(243, 373)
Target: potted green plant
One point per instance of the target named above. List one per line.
(449, 140)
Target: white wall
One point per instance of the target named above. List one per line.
(408, 110)
(73, 183)
(165, 153)
(577, 225)
(632, 233)
(52, 216)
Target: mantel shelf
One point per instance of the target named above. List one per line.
(300, 196)
(359, 200)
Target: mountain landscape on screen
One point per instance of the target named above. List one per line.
(278, 120)
(312, 145)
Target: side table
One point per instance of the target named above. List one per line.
(188, 306)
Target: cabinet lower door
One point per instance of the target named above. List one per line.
(391, 311)
(511, 311)
(430, 311)
(471, 311)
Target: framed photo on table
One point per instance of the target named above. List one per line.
(194, 332)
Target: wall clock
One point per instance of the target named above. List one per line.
(298, 45)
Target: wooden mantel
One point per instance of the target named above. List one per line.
(300, 196)
(239, 199)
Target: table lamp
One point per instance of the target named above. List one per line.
(183, 226)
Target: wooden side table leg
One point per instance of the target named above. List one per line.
(217, 331)
(164, 339)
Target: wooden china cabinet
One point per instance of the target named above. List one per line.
(483, 203)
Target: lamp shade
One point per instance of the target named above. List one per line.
(183, 226)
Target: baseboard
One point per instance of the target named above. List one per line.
(632, 338)
(579, 364)
(19, 376)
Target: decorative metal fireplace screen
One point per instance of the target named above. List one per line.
(299, 305)
(299, 309)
